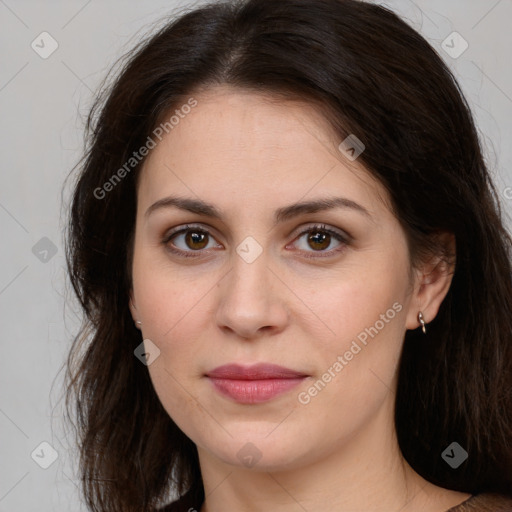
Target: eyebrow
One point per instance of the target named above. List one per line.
(283, 214)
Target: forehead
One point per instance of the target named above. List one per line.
(233, 120)
(235, 141)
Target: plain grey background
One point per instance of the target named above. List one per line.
(43, 102)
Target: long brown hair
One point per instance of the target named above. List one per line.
(371, 75)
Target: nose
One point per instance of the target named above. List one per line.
(251, 301)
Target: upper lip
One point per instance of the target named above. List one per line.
(258, 371)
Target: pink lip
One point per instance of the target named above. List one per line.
(254, 384)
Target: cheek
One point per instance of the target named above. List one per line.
(357, 300)
(365, 315)
(173, 314)
(357, 364)
(166, 295)
(173, 317)
(175, 308)
(177, 395)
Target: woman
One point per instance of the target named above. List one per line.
(295, 275)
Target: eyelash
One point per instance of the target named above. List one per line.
(316, 228)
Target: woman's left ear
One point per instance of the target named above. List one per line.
(432, 283)
(135, 314)
(132, 307)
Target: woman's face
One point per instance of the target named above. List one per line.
(258, 283)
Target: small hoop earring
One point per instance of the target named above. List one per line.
(422, 322)
(138, 322)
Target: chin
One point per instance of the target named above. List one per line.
(261, 452)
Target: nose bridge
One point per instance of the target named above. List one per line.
(250, 272)
(248, 299)
(250, 258)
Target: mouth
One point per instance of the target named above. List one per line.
(254, 384)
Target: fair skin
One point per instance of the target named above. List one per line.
(249, 156)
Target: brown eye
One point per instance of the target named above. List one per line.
(192, 241)
(187, 241)
(196, 239)
(319, 240)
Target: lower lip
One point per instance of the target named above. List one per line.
(254, 391)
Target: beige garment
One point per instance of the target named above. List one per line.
(485, 502)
